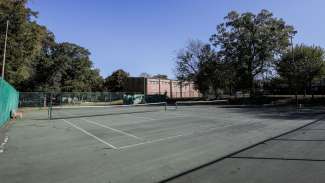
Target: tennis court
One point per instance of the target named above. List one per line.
(142, 144)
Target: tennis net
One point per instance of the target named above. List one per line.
(63, 112)
(199, 104)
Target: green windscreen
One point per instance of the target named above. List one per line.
(9, 98)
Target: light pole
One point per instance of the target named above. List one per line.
(295, 70)
(144, 89)
(4, 53)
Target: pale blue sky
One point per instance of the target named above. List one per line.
(144, 35)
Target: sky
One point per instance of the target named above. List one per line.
(145, 35)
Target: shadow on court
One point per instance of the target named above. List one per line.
(139, 147)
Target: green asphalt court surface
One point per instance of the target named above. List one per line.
(190, 144)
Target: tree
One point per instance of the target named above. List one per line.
(145, 75)
(117, 81)
(65, 67)
(299, 72)
(205, 78)
(250, 43)
(74, 67)
(96, 80)
(35, 62)
(199, 63)
(187, 61)
(213, 75)
(24, 40)
(160, 76)
(41, 68)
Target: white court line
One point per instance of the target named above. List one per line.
(89, 134)
(146, 118)
(151, 141)
(113, 129)
(176, 136)
(180, 115)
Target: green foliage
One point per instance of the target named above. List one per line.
(247, 45)
(207, 75)
(187, 61)
(72, 67)
(250, 43)
(35, 62)
(299, 68)
(117, 81)
(66, 67)
(214, 75)
(24, 40)
(199, 63)
(160, 76)
(145, 75)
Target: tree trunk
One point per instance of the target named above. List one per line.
(252, 88)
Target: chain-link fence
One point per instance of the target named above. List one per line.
(34, 99)
(44, 99)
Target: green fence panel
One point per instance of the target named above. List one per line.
(133, 99)
(9, 98)
(44, 99)
(156, 98)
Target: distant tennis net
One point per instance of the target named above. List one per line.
(63, 112)
(199, 104)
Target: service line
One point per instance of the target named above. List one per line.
(113, 129)
(173, 137)
(89, 134)
(151, 141)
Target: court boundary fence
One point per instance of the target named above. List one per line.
(9, 98)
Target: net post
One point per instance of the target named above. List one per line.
(110, 98)
(61, 97)
(50, 106)
(175, 105)
(165, 106)
(50, 113)
(41, 102)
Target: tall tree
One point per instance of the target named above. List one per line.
(24, 40)
(96, 81)
(187, 61)
(199, 63)
(145, 75)
(35, 62)
(65, 67)
(213, 75)
(117, 81)
(299, 68)
(250, 43)
(160, 76)
(74, 67)
(41, 67)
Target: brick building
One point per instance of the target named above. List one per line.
(172, 88)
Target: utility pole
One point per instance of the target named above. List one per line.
(144, 88)
(294, 64)
(4, 53)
